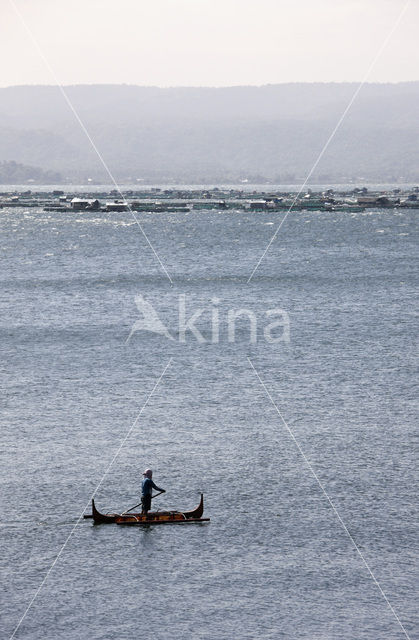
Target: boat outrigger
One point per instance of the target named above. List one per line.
(152, 517)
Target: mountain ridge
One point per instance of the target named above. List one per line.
(205, 134)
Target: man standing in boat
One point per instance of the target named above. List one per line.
(146, 490)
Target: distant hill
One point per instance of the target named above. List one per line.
(14, 173)
(273, 132)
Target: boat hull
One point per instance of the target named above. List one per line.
(144, 522)
(153, 517)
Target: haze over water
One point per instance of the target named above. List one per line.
(274, 562)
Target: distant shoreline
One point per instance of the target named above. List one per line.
(185, 200)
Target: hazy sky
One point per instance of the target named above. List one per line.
(207, 42)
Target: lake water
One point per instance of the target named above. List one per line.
(275, 561)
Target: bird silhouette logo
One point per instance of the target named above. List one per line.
(150, 320)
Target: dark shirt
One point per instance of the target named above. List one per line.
(147, 487)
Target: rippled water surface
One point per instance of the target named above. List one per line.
(335, 410)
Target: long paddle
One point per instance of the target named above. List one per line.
(137, 505)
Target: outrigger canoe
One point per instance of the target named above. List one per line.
(153, 517)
